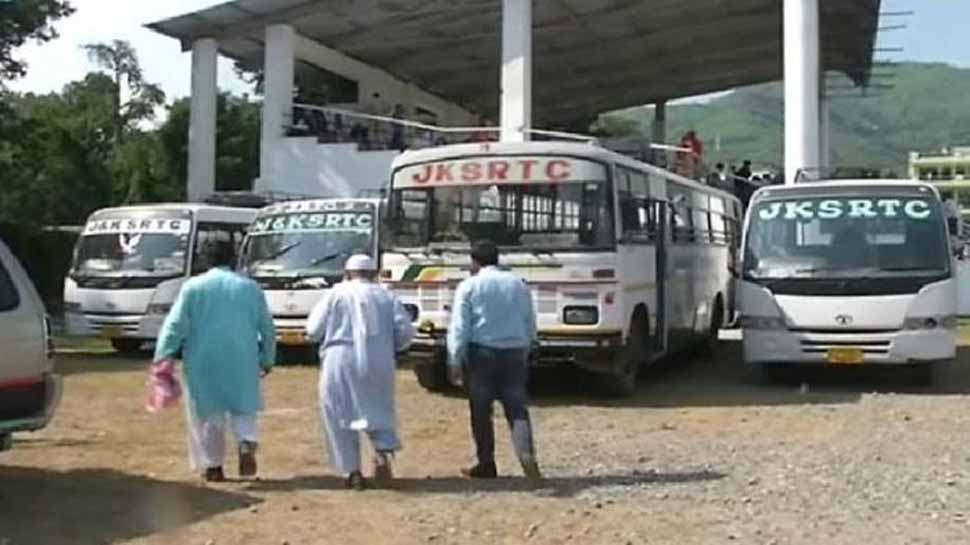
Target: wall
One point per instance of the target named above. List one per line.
(372, 80)
(306, 167)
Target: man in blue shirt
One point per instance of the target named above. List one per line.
(493, 327)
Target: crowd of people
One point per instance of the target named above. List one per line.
(221, 329)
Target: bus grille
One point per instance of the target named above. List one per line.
(869, 347)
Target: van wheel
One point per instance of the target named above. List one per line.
(432, 376)
(623, 381)
(128, 347)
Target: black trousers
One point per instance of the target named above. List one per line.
(499, 374)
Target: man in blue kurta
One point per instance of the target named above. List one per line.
(221, 325)
(361, 327)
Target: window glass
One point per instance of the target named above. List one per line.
(207, 235)
(9, 298)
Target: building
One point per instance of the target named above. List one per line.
(521, 63)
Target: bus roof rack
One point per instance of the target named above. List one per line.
(249, 199)
(817, 174)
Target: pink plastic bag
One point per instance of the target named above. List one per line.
(164, 389)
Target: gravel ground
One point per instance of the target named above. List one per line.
(697, 456)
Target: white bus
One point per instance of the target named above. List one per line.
(130, 263)
(847, 273)
(626, 261)
(296, 250)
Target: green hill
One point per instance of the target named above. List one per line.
(928, 108)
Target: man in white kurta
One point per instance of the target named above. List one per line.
(361, 327)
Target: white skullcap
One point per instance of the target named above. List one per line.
(360, 262)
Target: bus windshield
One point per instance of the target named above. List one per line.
(308, 244)
(846, 236)
(147, 245)
(539, 203)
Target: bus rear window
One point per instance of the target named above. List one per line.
(9, 298)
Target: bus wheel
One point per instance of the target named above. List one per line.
(714, 328)
(432, 376)
(623, 381)
(127, 346)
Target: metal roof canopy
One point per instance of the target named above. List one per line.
(589, 56)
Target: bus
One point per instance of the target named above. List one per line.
(847, 272)
(130, 263)
(296, 250)
(626, 261)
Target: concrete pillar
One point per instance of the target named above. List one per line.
(801, 22)
(824, 130)
(277, 96)
(202, 120)
(516, 106)
(660, 132)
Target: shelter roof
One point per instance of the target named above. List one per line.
(590, 56)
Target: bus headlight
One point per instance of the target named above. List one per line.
(159, 309)
(763, 322)
(580, 315)
(930, 322)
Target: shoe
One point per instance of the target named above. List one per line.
(214, 475)
(247, 459)
(356, 481)
(383, 472)
(480, 471)
(531, 469)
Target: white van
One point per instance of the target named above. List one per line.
(130, 263)
(848, 273)
(29, 390)
(295, 250)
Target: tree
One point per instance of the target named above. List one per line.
(22, 20)
(237, 141)
(121, 62)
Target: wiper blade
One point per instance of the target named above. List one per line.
(330, 257)
(275, 255)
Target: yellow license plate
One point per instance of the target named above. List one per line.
(292, 338)
(111, 332)
(845, 356)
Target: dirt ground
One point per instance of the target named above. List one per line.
(697, 456)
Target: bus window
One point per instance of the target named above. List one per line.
(207, 234)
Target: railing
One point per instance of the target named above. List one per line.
(377, 132)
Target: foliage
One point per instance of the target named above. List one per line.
(928, 108)
(22, 20)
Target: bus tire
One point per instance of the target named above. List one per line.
(432, 376)
(128, 347)
(712, 338)
(623, 381)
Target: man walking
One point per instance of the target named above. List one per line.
(361, 327)
(493, 328)
(221, 323)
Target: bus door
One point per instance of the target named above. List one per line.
(662, 240)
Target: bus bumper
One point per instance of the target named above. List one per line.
(291, 331)
(889, 348)
(132, 326)
(595, 353)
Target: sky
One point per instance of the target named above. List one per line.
(936, 32)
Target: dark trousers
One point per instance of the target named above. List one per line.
(499, 374)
